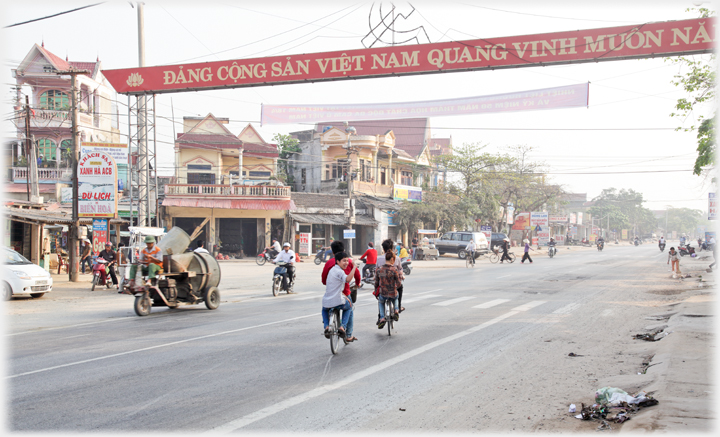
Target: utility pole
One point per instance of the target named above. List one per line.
(28, 144)
(74, 227)
(31, 178)
(350, 207)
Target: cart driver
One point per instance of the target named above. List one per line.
(151, 260)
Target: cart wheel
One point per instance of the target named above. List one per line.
(142, 305)
(212, 298)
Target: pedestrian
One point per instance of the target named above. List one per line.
(414, 244)
(86, 257)
(505, 247)
(526, 255)
(201, 247)
(714, 256)
(675, 258)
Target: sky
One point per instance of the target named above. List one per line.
(625, 130)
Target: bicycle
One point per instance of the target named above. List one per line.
(470, 260)
(334, 325)
(496, 256)
(390, 315)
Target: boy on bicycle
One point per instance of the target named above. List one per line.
(334, 296)
(387, 281)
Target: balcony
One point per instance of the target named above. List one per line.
(45, 175)
(372, 189)
(227, 191)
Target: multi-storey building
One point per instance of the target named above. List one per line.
(39, 77)
(231, 181)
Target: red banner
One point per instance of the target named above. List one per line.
(669, 38)
(572, 96)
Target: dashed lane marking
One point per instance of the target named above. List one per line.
(492, 303)
(453, 301)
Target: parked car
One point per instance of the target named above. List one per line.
(455, 242)
(496, 239)
(21, 277)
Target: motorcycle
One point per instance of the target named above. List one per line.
(600, 246)
(318, 257)
(406, 266)
(369, 276)
(264, 257)
(552, 250)
(100, 273)
(637, 242)
(686, 250)
(280, 281)
(662, 247)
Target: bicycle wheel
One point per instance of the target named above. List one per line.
(389, 309)
(494, 258)
(512, 257)
(335, 327)
(467, 262)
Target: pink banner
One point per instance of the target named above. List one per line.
(572, 96)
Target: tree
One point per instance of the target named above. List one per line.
(438, 210)
(627, 209)
(287, 147)
(681, 220)
(699, 83)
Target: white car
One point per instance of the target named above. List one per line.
(21, 277)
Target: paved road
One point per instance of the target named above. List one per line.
(260, 363)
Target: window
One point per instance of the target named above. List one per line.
(457, 237)
(54, 99)
(201, 178)
(47, 149)
(66, 152)
(303, 176)
(466, 237)
(199, 167)
(405, 178)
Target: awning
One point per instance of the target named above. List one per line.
(280, 205)
(332, 219)
(43, 217)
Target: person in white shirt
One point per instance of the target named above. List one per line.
(470, 250)
(334, 296)
(288, 256)
(274, 248)
(200, 247)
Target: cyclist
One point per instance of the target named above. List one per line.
(371, 260)
(334, 297)
(387, 282)
(387, 246)
(338, 247)
(470, 249)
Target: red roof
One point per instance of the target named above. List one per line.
(60, 63)
(89, 66)
(410, 133)
(278, 205)
(260, 150)
(208, 141)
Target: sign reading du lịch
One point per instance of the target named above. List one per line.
(97, 185)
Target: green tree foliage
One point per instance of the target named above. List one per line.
(625, 207)
(699, 82)
(287, 147)
(681, 220)
(438, 210)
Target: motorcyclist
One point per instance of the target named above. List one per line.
(637, 240)
(682, 240)
(110, 256)
(661, 242)
(274, 248)
(288, 256)
(370, 258)
(600, 241)
(551, 245)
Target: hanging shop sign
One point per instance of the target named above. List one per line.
(669, 38)
(97, 182)
(99, 235)
(304, 244)
(406, 192)
(712, 207)
(118, 151)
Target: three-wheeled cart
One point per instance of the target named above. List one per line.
(426, 246)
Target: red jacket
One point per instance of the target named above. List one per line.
(371, 255)
(330, 264)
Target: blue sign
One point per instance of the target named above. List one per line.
(348, 234)
(392, 218)
(537, 228)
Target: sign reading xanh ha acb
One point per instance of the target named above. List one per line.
(97, 182)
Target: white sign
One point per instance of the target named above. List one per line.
(66, 195)
(558, 218)
(573, 218)
(305, 244)
(543, 237)
(539, 219)
(510, 216)
(348, 234)
(579, 218)
(712, 207)
(119, 152)
(97, 185)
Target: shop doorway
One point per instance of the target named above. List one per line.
(238, 237)
(188, 224)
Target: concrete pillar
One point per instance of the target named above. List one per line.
(268, 232)
(212, 232)
(35, 243)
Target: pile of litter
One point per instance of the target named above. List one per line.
(652, 336)
(613, 405)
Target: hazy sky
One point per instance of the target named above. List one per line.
(627, 128)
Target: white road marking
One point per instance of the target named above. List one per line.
(492, 303)
(529, 305)
(417, 298)
(500, 277)
(453, 301)
(567, 309)
(606, 313)
(296, 400)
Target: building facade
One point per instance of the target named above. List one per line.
(226, 184)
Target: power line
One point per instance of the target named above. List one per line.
(54, 15)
